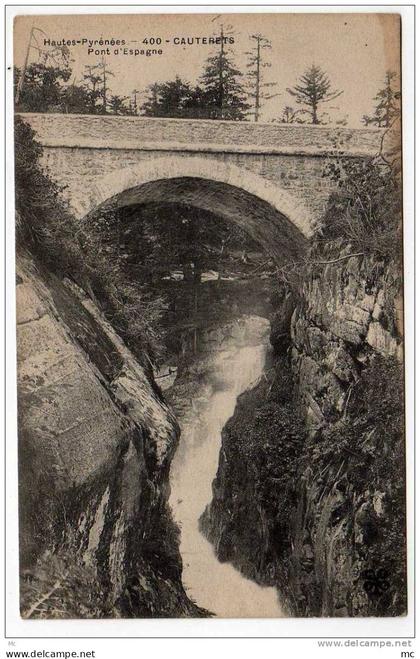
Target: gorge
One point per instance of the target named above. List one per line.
(116, 458)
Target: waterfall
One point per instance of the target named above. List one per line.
(219, 587)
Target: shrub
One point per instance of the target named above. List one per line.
(363, 456)
(46, 228)
(43, 221)
(57, 587)
(366, 208)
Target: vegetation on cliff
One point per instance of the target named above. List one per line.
(319, 509)
(96, 534)
(46, 228)
(255, 497)
(61, 586)
(320, 515)
(351, 527)
(365, 210)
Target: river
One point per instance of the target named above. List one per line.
(216, 586)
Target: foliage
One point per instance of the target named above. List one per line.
(363, 456)
(47, 89)
(366, 208)
(223, 91)
(103, 74)
(42, 89)
(167, 247)
(46, 227)
(76, 99)
(57, 587)
(117, 105)
(43, 219)
(195, 106)
(363, 214)
(219, 93)
(92, 81)
(159, 238)
(134, 311)
(169, 99)
(314, 89)
(388, 99)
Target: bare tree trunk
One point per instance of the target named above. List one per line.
(257, 89)
(221, 89)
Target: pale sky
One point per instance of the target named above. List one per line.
(355, 50)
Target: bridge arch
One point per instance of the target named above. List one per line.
(272, 216)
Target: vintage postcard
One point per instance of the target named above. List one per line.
(210, 335)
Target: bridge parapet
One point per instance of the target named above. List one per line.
(161, 134)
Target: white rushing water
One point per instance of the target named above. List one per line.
(216, 586)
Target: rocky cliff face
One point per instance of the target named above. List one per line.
(95, 443)
(350, 310)
(319, 510)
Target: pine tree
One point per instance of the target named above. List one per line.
(314, 89)
(117, 105)
(168, 99)
(104, 73)
(133, 103)
(195, 105)
(256, 64)
(151, 105)
(91, 82)
(224, 95)
(388, 103)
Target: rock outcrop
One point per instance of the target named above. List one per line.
(350, 309)
(95, 444)
(318, 510)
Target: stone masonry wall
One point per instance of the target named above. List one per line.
(81, 169)
(82, 151)
(137, 132)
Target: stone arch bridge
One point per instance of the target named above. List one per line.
(268, 178)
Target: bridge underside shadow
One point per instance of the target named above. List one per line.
(277, 234)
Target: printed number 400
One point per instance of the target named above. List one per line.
(152, 41)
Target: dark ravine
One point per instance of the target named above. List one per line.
(310, 486)
(309, 494)
(96, 534)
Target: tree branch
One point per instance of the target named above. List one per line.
(341, 258)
